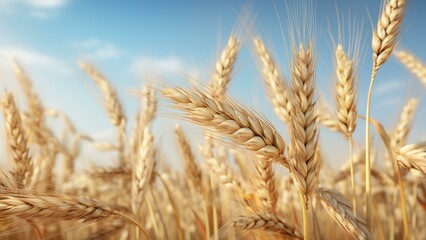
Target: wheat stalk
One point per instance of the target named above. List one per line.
(17, 142)
(277, 89)
(383, 42)
(224, 67)
(341, 211)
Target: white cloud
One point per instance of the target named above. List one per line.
(149, 66)
(47, 4)
(42, 9)
(387, 87)
(31, 58)
(97, 49)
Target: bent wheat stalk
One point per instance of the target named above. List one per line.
(383, 42)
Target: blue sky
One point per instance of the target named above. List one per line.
(128, 39)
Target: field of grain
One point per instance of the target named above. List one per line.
(242, 179)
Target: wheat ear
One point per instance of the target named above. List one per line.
(224, 67)
(143, 169)
(192, 170)
(400, 134)
(341, 211)
(346, 104)
(230, 119)
(113, 105)
(303, 124)
(268, 222)
(50, 207)
(277, 89)
(17, 142)
(412, 63)
(34, 103)
(220, 168)
(413, 156)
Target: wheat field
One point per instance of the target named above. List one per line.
(243, 179)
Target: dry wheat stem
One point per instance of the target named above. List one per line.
(192, 170)
(277, 89)
(383, 42)
(341, 212)
(224, 67)
(232, 120)
(17, 142)
(268, 222)
(412, 63)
